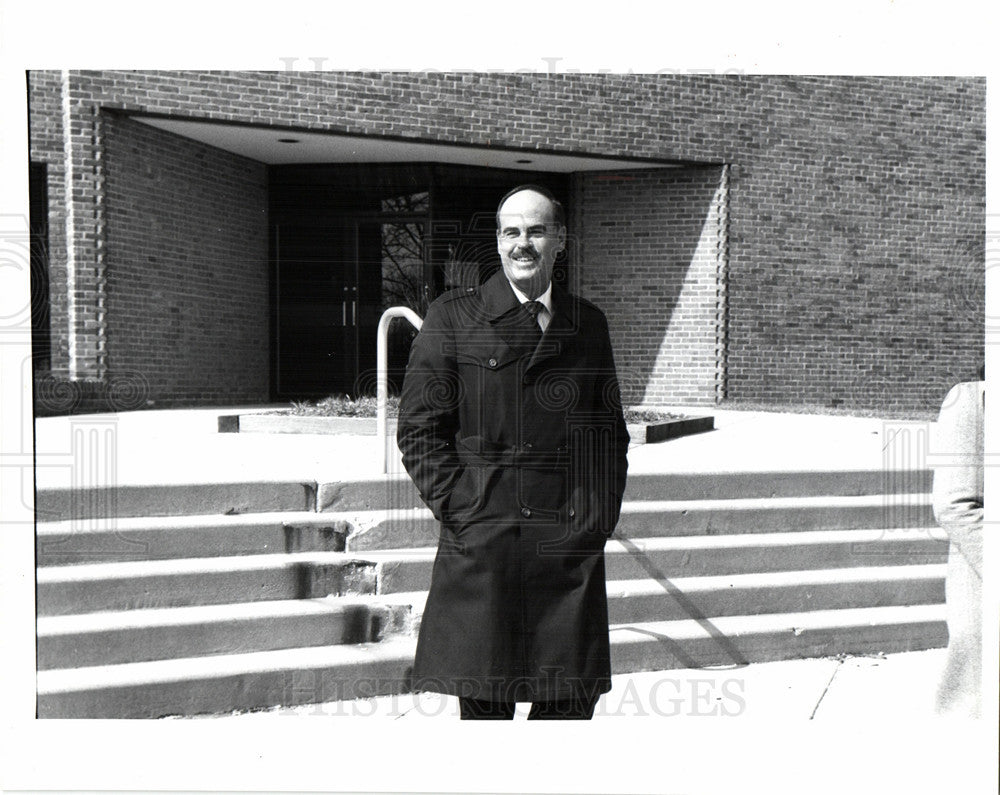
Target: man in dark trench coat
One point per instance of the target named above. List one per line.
(511, 427)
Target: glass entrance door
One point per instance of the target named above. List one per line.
(316, 319)
(392, 271)
(333, 282)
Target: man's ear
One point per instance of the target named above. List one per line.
(562, 239)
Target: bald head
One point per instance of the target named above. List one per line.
(530, 233)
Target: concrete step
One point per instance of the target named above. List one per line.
(206, 535)
(396, 492)
(140, 635)
(740, 640)
(731, 485)
(687, 556)
(709, 597)
(81, 504)
(202, 535)
(259, 680)
(763, 552)
(699, 598)
(771, 514)
(644, 519)
(224, 683)
(98, 587)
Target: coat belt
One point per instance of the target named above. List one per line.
(476, 451)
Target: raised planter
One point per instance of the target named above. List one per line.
(641, 433)
(292, 423)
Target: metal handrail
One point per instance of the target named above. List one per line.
(382, 364)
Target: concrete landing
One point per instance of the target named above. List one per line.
(184, 446)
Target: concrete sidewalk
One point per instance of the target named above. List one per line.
(891, 687)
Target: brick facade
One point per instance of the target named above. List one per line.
(187, 270)
(852, 271)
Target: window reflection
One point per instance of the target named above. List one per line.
(403, 265)
(407, 203)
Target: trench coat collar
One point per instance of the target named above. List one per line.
(517, 329)
(499, 299)
(498, 296)
(501, 305)
(563, 320)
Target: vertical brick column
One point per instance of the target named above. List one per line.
(84, 284)
(722, 286)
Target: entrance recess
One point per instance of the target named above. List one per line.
(350, 241)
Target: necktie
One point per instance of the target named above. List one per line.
(533, 308)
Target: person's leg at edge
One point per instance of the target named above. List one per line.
(480, 709)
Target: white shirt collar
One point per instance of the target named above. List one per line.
(545, 298)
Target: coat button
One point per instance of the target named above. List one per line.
(526, 513)
(527, 445)
(492, 362)
(572, 513)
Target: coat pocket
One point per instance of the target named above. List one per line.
(466, 498)
(593, 512)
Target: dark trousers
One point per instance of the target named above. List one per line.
(568, 709)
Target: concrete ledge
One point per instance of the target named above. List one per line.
(641, 433)
(649, 433)
(292, 423)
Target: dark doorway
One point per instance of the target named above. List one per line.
(38, 220)
(349, 241)
(316, 308)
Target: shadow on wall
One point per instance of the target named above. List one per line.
(652, 250)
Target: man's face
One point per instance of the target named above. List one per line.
(528, 240)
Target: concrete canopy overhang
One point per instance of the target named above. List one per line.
(284, 146)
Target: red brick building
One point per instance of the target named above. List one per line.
(232, 237)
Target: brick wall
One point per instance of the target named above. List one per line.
(857, 243)
(651, 244)
(187, 272)
(856, 226)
